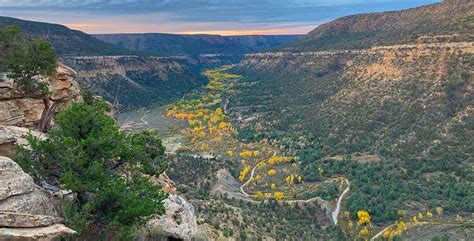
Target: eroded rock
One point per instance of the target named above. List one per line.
(27, 211)
(48, 233)
(13, 135)
(179, 222)
(25, 220)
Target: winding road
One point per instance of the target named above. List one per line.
(334, 214)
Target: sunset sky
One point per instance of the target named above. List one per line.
(229, 17)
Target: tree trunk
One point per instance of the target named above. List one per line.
(44, 124)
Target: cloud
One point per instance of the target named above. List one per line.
(223, 15)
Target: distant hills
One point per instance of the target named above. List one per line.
(195, 45)
(69, 42)
(452, 20)
(66, 41)
(144, 68)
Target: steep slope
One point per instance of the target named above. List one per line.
(451, 21)
(196, 45)
(405, 97)
(65, 41)
(136, 81)
(393, 97)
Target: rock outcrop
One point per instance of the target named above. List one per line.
(13, 135)
(27, 211)
(166, 183)
(17, 109)
(179, 222)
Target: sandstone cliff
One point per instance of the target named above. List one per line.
(24, 111)
(136, 81)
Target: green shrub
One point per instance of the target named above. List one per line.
(103, 166)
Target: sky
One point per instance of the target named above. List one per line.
(225, 17)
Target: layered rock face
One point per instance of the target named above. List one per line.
(13, 135)
(136, 81)
(19, 110)
(27, 211)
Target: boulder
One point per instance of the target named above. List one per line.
(25, 220)
(15, 181)
(18, 192)
(27, 211)
(12, 135)
(48, 233)
(179, 222)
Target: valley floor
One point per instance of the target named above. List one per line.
(227, 173)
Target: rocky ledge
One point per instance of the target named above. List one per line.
(27, 211)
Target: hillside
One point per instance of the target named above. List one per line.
(136, 81)
(196, 45)
(451, 21)
(66, 41)
(392, 114)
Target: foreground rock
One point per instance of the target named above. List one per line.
(53, 232)
(24, 220)
(179, 222)
(27, 212)
(13, 135)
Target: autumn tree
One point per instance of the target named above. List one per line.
(363, 217)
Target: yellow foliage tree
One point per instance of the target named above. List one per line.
(273, 186)
(388, 234)
(223, 125)
(271, 172)
(230, 153)
(259, 195)
(246, 154)
(278, 159)
(414, 220)
(420, 216)
(439, 211)
(401, 227)
(429, 214)
(278, 196)
(300, 179)
(289, 179)
(243, 173)
(364, 232)
(364, 217)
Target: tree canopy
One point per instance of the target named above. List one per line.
(105, 167)
(24, 59)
